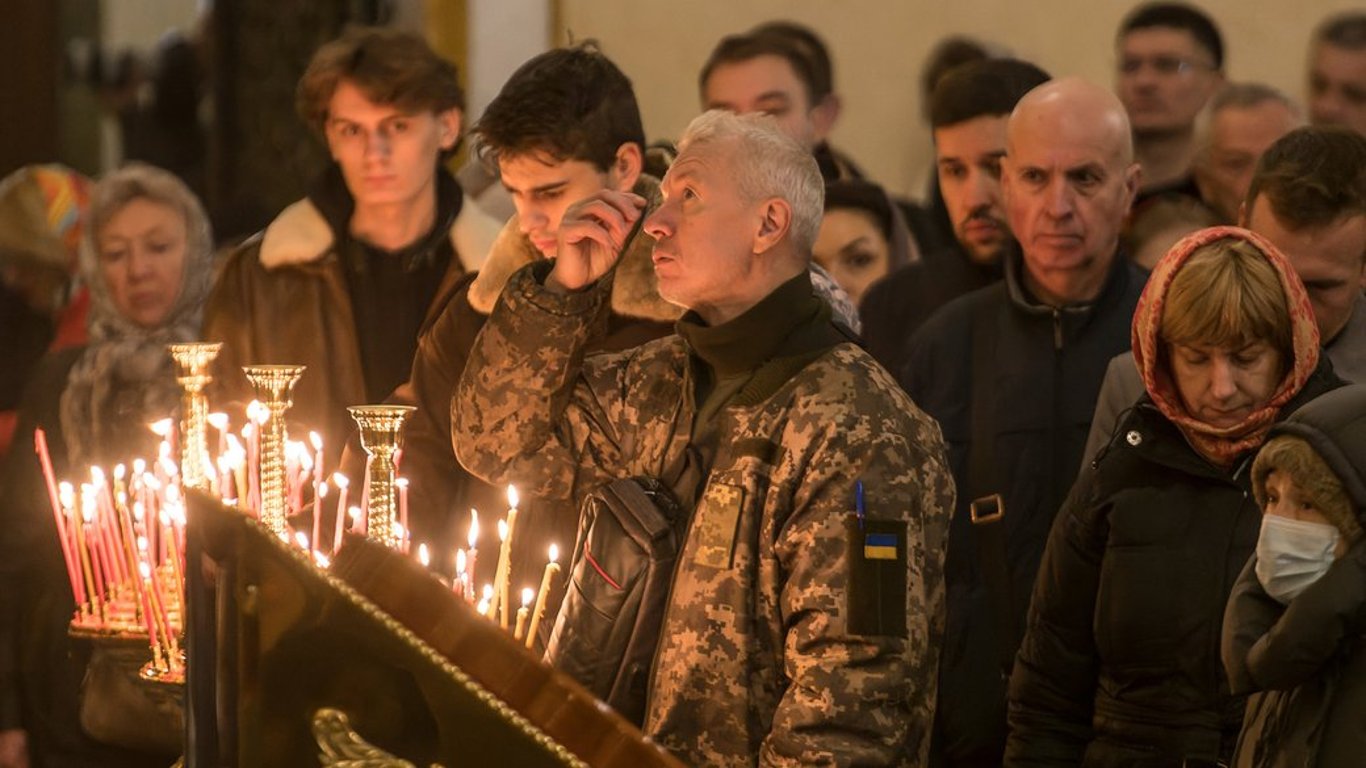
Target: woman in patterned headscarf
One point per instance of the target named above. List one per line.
(1120, 662)
(147, 261)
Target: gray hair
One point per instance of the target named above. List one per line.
(1240, 96)
(767, 164)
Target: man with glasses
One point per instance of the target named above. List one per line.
(1170, 61)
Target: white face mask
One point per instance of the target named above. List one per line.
(1292, 554)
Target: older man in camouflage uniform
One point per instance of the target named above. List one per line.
(803, 625)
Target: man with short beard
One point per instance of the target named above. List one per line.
(968, 114)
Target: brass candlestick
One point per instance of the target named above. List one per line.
(192, 363)
(274, 386)
(381, 435)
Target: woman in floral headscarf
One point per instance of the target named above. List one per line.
(1120, 662)
(147, 260)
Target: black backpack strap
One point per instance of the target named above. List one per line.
(987, 508)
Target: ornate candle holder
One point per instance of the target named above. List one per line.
(381, 435)
(274, 386)
(192, 363)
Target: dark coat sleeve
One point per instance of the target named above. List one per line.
(1266, 647)
(1052, 687)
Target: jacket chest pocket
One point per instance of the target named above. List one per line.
(725, 524)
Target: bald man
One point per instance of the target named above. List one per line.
(1011, 372)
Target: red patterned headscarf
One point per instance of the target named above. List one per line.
(1221, 445)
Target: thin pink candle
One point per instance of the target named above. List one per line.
(50, 479)
(342, 484)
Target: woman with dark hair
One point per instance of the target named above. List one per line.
(148, 261)
(1120, 661)
(863, 236)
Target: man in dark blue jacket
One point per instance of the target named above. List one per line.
(1011, 372)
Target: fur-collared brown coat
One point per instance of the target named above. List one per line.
(282, 298)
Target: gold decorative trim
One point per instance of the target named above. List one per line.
(301, 560)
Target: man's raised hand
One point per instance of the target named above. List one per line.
(592, 236)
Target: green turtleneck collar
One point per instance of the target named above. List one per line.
(758, 334)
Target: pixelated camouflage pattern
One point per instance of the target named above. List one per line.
(755, 663)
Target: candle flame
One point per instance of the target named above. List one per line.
(161, 428)
(528, 594)
(554, 553)
(139, 466)
(316, 439)
(401, 482)
(138, 511)
(460, 562)
(483, 607)
(97, 476)
(400, 531)
(488, 592)
(119, 472)
(502, 530)
(423, 556)
(512, 497)
(145, 570)
(474, 528)
(340, 480)
(142, 543)
(322, 490)
(321, 559)
(218, 421)
(67, 493)
(354, 514)
(301, 539)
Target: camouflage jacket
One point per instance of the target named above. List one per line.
(767, 654)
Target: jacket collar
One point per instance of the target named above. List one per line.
(635, 291)
(301, 235)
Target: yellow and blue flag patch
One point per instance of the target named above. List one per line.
(879, 546)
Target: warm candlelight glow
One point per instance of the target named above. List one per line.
(315, 440)
(301, 539)
(554, 553)
(423, 556)
(161, 428)
(528, 594)
(502, 530)
(488, 591)
(340, 480)
(512, 497)
(120, 472)
(459, 560)
(218, 421)
(474, 528)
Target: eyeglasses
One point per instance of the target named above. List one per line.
(1167, 66)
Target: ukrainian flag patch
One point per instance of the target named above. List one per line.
(879, 546)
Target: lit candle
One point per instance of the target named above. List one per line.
(499, 598)
(301, 539)
(319, 487)
(339, 480)
(219, 421)
(319, 493)
(522, 612)
(458, 583)
(68, 495)
(423, 556)
(148, 615)
(50, 479)
(402, 484)
(506, 562)
(473, 553)
(551, 568)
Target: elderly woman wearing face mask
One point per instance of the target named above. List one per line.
(1295, 628)
(147, 259)
(1120, 664)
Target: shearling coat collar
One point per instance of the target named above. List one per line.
(635, 290)
(300, 235)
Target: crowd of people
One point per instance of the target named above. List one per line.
(1064, 465)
